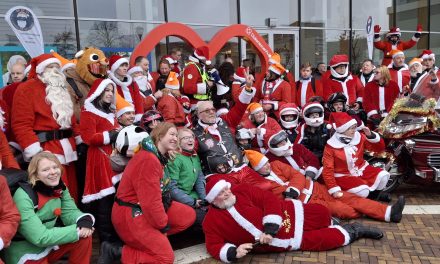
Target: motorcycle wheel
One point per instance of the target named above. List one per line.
(394, 182)
(395, 177)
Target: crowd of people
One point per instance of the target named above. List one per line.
(257, 162)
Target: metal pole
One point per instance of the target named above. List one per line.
(165, 12)
(75, 14)
(239, 39)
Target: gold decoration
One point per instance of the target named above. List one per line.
(286, 222)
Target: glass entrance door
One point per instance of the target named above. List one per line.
(284, 42)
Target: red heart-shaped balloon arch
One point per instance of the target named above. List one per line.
(218, 41)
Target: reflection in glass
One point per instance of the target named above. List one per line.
(435, 17)
(206, 12)
(255, 12)
(284, 44)
(380, 10)
(63, 8)
(323, 13)
(410, 13)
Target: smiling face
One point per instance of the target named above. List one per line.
(107, 94)
(186, 140)
(127, 118)
(48, 172)
(225, 199)
(168, 141)
(206, 112)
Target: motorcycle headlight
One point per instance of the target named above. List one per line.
(394, 128)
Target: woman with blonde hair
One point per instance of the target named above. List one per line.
(40, 204)
(379, 96)
(143, 213)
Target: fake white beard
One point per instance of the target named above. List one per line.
(228, 203)
(58, 97)
(414, 73)
(142, 82)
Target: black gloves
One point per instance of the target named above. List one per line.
(310, 174)
(166, 200)
(85, 221)
(113, 134)
(271, 229)
(291, 194)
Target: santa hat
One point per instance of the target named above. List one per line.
(256, 159)
(254, 108)
(341, 121)
(214, 187)
(338, 60)
(115, 61)
(122, 106)
(275, 58)
(427, 54)
(396, 52)
(415, 61)
(65, 63)
(202, 53)
(394, 31)
(172, 81)
(240, 74)
(97, 89)
(169, 59)
(39, 63)
(277, 68)
(135, 69)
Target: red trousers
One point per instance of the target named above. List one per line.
(79, 252)
(145, 244)
(69, 178)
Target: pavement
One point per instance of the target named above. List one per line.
(416, 239)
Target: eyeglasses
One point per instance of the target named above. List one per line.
(212, 110)
(187, 138)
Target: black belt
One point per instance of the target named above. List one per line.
(127, 204)
(44, 136)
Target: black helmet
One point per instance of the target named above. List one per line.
(278, 138)
(219, 164)
(334, 98)
(149, 117)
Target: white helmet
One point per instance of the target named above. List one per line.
(289, 109)
(311, 108)
(283, 151)
(128, 139)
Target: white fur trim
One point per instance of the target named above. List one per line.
(216, 189)
(387, 217)
(374, 140)
(89, 107)
(38, 256)
(245, 97)
(415, 39)
(42, 65)
(377, 39)
(67, 66)
(106, 136)
(124, 110)
(96, 196)
(69, 154)
(345, 126)
(312, 169)
(359, 99)
(78, 140)
(344, 232)
(154, 98)
(118, 63)
(100, 89)
(293, 188)
(85, 214)
(116, 178)
(134, 70)
(299, 224)
(201, 88)
(222, 111)
(262, 162)
(372, 112)
(275, 105)
(361, 190)
(334, 189)
(274, 69)
(224, 251)
(238, 78)
(272, 219)
(137, 117)
(31, 150)
(2, 244)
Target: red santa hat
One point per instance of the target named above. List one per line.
(214, 187)
(395, 52)
(338, 60)
(427, 54)
(97, 89)
(172, 81)
(394, 31)
(277, 68)
(115, 61)
(341, 121)
(122, 106)
(275, 58)
(169, 59)
(240, 74)
(135, 69)
(39, 63)
(202, 53)
(256, 159)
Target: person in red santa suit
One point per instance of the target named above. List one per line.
(145, 82)
(195, 80)
(273, 90)
(99, 130)
(428, 62)
(143, 212)
(275, 58)
(171, 102)
(126, 87)
(423, 83)
(287, 183)
(367, 72)
(244, 218)
(307, 86)
(399, 71)
(344, 166)
(295, 155)
(289, 115)
(44, 119)
(260, 125)
(393, 42)
(239, 82)
(173, 58)
(341, 80)
(380, 95)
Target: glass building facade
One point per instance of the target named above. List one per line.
(300, 30)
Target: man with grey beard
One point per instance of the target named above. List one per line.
(423, 83)
(244, 218)
(43, 118)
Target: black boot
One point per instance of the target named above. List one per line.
(396, 210)
(380, 196)
(109, 252)
(357, 231)
(336, 221)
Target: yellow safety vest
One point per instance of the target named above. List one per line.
(205, 78)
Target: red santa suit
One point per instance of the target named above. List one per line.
(35, 128)
(145, 83)
(424, 85)
(126, 88)
(344, 165)
(305, 90)
(169, 105)
(239, 83)
(401, 76)
(174, 63)
(301, 227)
(379, 99)
(10, 217)
(95, 127)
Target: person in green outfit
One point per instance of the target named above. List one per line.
(187, 179)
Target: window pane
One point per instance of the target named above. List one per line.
(201, 11)
(417, 49)
(380, 10)
(435, 16)
(359, 51)
(41, 7)
(323, 13)
(255, 12)
(122, 9)
(435, 46)
(410, 13)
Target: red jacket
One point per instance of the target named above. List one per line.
(192, 81)
(378, 99)
(304, 91)
(267, 129)
(9, 215)
(386, 47)
(281, 93)
(171, 109)
(401, 76)
(424, 86)
(302, 159)
(129, 90)
(351, 87)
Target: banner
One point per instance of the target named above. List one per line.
(370, 36)
(26, 27)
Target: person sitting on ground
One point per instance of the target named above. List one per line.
(41, 204)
